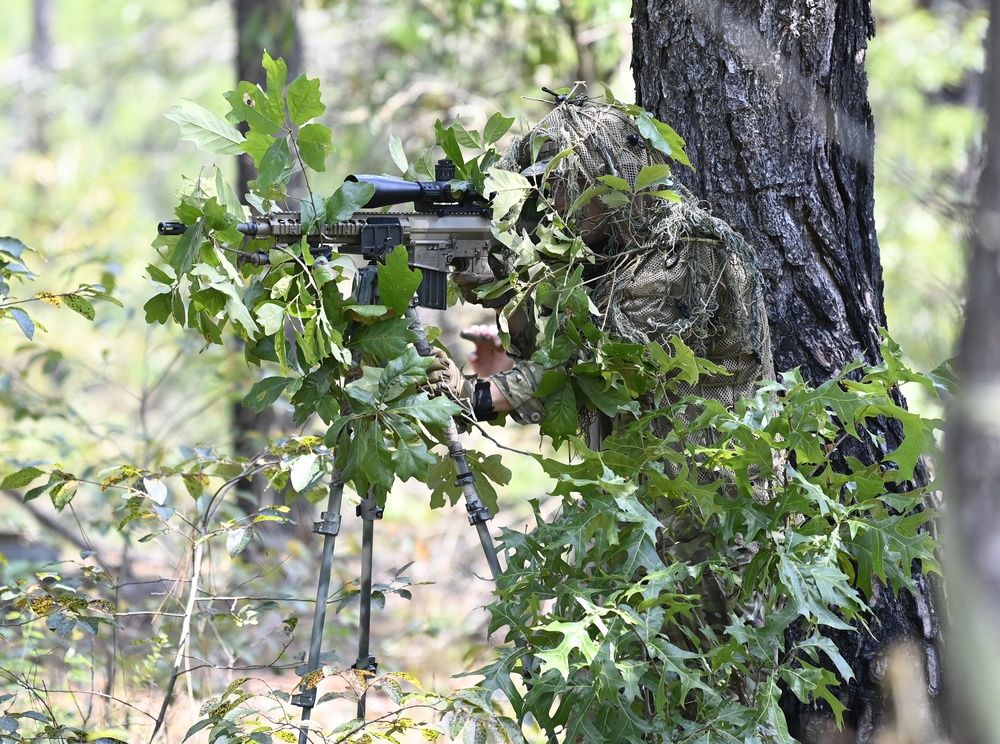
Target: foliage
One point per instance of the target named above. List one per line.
(13, 266)
(619, 647)
(623, 635)
(181, 508)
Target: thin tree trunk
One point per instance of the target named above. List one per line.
(41, 58)
(271, 26)
(973, 444)
(771, 96)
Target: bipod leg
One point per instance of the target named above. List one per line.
(479, 515)
(369, 511)
(329, 527)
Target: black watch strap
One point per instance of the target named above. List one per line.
(482, 401)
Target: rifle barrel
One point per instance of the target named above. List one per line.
(171, 228)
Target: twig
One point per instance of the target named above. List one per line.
(48, 522)
(185, 636)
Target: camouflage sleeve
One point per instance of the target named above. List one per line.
(518, 386)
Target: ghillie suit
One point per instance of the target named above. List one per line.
(663, 268)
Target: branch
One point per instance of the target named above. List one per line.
(48, 522)
(185, 637)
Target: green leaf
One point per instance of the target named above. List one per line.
(387, 339)
(496, 127)
(508, 191)
(257, 143)
(464, 137)
(652, 174)
(304, 101)
(271, 317)
(306, 471)
(199, 726)
(616, 182)
(277, 74)
(62, 493)
(275, 165)
(662, 137)
(21, 478)
(238, 539)
(562, 418)
(205, 129)
(158, 308)
(265, 392)
(156, 490)
(575, 637)
(402, 371)
(315, 144)
(436, 411)
(370, 454)
(181, 257)
(412, 460)
(397, 153)
(448, 142)
(397, 282)
(13, 247)
(587, 196)
(348, 199)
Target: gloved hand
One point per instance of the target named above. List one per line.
(444, 377)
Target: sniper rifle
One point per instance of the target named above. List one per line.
(449, 229)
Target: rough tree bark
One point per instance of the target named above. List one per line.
(771, 96)
(973, 442)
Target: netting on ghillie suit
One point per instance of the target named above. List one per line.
(665, 268)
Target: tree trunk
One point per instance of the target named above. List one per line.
(973, 441)
(41, 58)
(771, 96)
(271, 26)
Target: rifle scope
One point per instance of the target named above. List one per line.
(427, 196)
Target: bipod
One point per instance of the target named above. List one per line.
(479, 515)
(329, 526)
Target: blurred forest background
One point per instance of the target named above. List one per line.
(89, 165)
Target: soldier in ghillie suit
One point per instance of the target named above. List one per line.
(661, 268)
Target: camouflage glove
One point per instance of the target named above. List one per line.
(445, 378)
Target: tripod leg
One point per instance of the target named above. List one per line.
(369, 511)
(329, 527)
(479, 515)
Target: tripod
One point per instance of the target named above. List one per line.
(329, 526)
